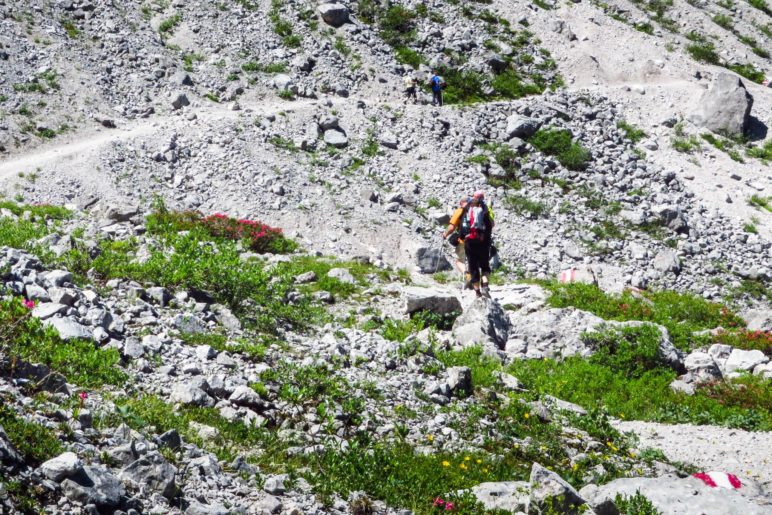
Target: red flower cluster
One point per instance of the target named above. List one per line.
(441, 503)
(258, 235)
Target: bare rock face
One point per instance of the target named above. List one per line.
(725, 107)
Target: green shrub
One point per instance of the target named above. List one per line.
(464, 87)
(632, 132)
(724, 21)
(637, 504)
(146, 411)
(292, 41)
(341, 46)
(508, 85)
(70, 28)
(408, 56)
(398, 475)
(194, 260)
(559, 143)
(749, 72)
(522, 205)
(255, 235)
(761, 5)
(686, 145)
(704, 52)
(282, 27)
(759, 201)
(169, 24)
(40, 221)
(35, 442)
(633, 350)
(646, 397)
(397, 25)
(80, 362)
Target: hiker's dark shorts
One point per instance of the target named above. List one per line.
(477, 258)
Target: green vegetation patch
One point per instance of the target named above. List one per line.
(681, 313)
(256, 236)
(760, 202)
(633, 133)
(626, 378)
(400, 330)
(80, 362)
(560, 144)
(169, 24)
(636, 504)
(524, 206)
(145, 411)
(35, 442)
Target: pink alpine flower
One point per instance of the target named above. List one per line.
(29, 304)
(439, 502)
(449, 506)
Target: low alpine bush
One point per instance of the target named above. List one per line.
(79, 361)
(559, 143)
(257, 236)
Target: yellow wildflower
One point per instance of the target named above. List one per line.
(446, 463)
(467, 458)
(430, 438)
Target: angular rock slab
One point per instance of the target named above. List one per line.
(431, 260)
(94, 485)
(483, 323)
(151, 472)
(550, 491)
(429, 299)
(64, 465)
(725, 107)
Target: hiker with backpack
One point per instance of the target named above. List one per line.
(479, 224)
(411, 85)
(437, 84)
(471, 227)
(453, 236)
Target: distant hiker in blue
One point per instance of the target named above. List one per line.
(438, 84)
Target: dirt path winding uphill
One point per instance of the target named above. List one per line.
(743, 453)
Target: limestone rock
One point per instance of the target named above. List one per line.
(94, 485)
(335, 138)
(725, 107)
(549, 491)
(673, 495)
(428, 299)
(153, 472)
(484, 323)
(334, 14)
(61, 467)
(431, 260)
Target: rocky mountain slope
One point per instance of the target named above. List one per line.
(159, 360)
